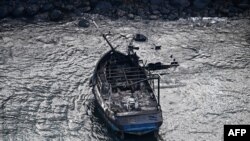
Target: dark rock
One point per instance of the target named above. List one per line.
(120, 13)
(4, 11)
(173, 16)
(165, 16)
(164, 11)
(86, 3)
(68, 8)
(244, 4)
(140, 37)
(81, 10)
(195, 13)
(55, 15)
(154, 7)
(141, 11)
(18, 11)
(31, 10)
(103, 6)
(78, 12)
(47, 7)
(83, 23)
(143, 2)
(131, 16)
(147, 12)
(183, 14)
(58, 4)
(42, 16)
(186, 12)
(233, 11)
(212, 12)
(156, 2)
(205, 12)
(156, 12)
(76, 3)
(93, 2)
(86, 9)
(180, 3)
(117, 2)
(137, 18)
(246, 13)
(199, 4)
(153, 17)
(224, 11)
(33, 1)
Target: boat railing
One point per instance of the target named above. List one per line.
(110, 94)
(127, 72)
(157, 77)
(101, 85)
(151, 79)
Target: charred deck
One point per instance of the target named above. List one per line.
(124, 85)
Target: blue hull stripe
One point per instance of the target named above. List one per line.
(147, 127)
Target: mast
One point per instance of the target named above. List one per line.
(104, 36)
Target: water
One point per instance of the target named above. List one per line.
(45, 70)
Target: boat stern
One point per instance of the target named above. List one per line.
(140, 124)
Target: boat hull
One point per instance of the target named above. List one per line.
(136, 124)
(139, 121)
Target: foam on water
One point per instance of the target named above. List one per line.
(45, 69)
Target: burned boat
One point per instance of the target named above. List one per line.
(124, 90)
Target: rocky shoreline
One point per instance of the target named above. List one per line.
(56, 10)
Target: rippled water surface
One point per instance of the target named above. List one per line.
(45, 70)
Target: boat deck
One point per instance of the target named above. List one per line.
(126, 87)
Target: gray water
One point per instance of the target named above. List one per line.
(45, 70)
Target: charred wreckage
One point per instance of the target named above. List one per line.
(127, 92)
